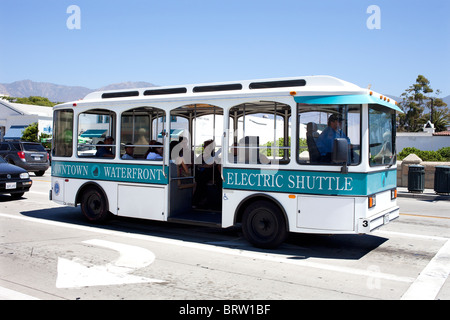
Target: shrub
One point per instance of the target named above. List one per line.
(445, 153)
(424, 155)
(431, 156)
(407, 151)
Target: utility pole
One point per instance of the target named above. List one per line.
(431, 108)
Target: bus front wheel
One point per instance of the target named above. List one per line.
(94, 205)
(264, 225)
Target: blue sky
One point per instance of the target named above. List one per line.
(170, 42)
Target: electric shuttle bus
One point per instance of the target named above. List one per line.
(312, 154)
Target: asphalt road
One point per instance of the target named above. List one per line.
(50, 252)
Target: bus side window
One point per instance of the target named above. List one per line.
(261, 133)
(95, 127)
(62, 133)
(140, 127)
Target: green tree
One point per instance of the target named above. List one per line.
(31, 133)
(416, 99)
(33, 100)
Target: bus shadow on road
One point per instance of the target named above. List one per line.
(345, 246)
(296, 247)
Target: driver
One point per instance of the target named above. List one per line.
(326, 139)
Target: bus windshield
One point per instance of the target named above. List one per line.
(381, 135)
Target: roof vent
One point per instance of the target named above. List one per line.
(119, 94)
(278, 84)
(218, 87)
(156, 92)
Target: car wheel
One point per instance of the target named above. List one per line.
(39, 173)
(17, 195)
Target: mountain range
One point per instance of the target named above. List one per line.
(61, 93)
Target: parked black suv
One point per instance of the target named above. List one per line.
(29, 155)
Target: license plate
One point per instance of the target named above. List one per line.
(37, 156)
(386, 219)
(10, 185)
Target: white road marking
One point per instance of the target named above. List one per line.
(432, 278)
(75, 274)
(8, 294)
(411, 235)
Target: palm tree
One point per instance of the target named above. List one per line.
(441, 119)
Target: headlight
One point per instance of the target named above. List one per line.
(24, 175)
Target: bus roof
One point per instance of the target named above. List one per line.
(320, 83)
(307, 86)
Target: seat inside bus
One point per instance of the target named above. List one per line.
(311, 136)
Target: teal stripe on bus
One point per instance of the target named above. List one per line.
(346, 99)
(138, 173)
(309, 182)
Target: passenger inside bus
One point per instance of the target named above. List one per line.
(129, 152)
(155, 152)
(106, 150)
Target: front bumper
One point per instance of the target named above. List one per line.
(15, 186)
(366, 225)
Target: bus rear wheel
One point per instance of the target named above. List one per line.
(94, 205)
(264, 225)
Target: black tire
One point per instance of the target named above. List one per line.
(39, 173)
(264, 225)
(16, 196)
(94, 205)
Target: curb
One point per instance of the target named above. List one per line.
(425, 195)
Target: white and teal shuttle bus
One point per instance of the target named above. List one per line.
(308, 154)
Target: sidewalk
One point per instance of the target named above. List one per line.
(428, 194)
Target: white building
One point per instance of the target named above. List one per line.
(15, 117)
(428, 140)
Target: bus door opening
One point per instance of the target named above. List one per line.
(195, 163)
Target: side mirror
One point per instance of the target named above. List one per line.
(340, 153)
